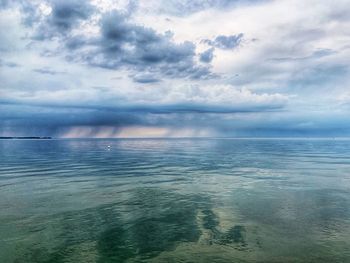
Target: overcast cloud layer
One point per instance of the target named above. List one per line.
(177, 68)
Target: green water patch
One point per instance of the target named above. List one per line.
(149, 222)
(236, 235)
(112, 246)
(158, 225)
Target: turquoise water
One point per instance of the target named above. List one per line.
(175, 200)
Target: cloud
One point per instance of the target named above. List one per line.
(188, 7)
(225, 42)
(319, 53)
(207, 56)
(63, 16)
(4, 3)
(125, 44)
(10, 32)
(118, 42)
(9, 64)
(30, 13)
(70, 122)
(225, 96)
(179, 99)
(48, 71)
(130, 64)
(318, 75)
(145, 78)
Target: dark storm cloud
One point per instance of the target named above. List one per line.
(207, 56)
(52, 120)
(75, 42)
(169, 108)
(65, 15)
(225, 42)
(119, 44)
(29, 120)
(26, 120)
(124, 44)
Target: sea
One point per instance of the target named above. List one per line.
(175, 200)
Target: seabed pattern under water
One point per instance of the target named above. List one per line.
(188, 200)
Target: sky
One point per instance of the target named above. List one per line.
(175, 68)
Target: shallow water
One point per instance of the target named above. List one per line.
(175, 200)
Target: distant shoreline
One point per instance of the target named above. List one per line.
(27, 137)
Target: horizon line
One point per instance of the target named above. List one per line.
(182, 137)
